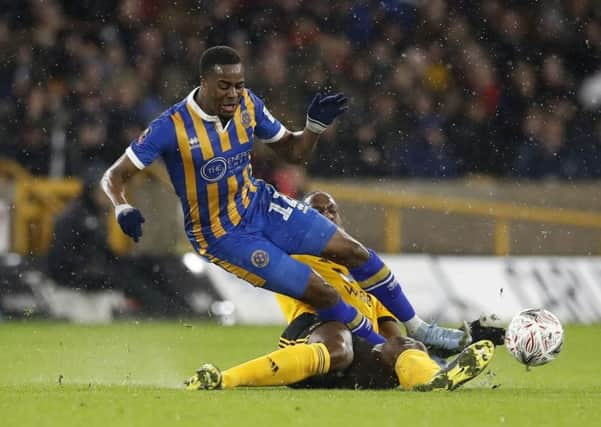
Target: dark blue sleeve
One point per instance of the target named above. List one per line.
(156, 139)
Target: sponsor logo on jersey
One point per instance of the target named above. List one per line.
(214, 169)
(259, 258)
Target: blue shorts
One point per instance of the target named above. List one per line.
(273, 227)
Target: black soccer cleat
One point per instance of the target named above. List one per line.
(487, 328)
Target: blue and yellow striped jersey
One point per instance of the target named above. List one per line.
(209, 165)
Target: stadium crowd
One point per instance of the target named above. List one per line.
(438, 89)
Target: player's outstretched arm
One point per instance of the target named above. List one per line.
(113, 183)
(296, 147)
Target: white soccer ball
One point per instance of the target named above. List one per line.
(534, 337)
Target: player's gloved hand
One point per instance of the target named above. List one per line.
(323, 110)
(130, 220)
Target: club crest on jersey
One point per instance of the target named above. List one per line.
(143, 135)
(245, 118)
(259, 258)
(214, 169)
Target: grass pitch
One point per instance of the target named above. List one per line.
(131, 373)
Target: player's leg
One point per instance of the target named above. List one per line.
(416, 371)
(376, 278)
(357, 369)
(338, 340)
(287, 226)
(378, 367)
(404, 361)
(349, 353)
(281, 367)
(331, 350)
(339, 311)
(400, 361)
(372, 367)
(260, 262)
(296, 360)
(292, 227)
(486, 327)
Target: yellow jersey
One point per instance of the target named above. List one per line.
(339, 277)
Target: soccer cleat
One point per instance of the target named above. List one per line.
(488, 328)
(434, 336)
(484, 328)
(470, 363)
(207, 377)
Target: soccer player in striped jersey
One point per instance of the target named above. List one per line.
(242, 224)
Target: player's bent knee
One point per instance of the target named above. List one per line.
(319, 294)
(339, 342)
(358, 253)
(341, 353)
(345, 250)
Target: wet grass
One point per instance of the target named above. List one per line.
(130, 374)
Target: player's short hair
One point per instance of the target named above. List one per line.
(217, 55)
(307, 197)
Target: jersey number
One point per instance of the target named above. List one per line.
(286, 211)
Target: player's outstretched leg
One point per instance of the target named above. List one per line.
(281, 367)
(407, 360)
(376, 278)
(262, 263)
(470, 363)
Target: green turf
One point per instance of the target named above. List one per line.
(130, 374)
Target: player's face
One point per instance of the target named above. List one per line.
(325, 205)
(222, 90)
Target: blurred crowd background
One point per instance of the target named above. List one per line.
(439, 89)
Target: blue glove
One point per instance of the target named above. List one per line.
(130, 220)
(323, 110)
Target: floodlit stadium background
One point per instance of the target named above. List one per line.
(473, 134)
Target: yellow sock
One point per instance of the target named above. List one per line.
(282, 367)
(414, 367)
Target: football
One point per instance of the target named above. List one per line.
(534, 337)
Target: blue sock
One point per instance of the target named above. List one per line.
(356, 322)
(376, 278)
